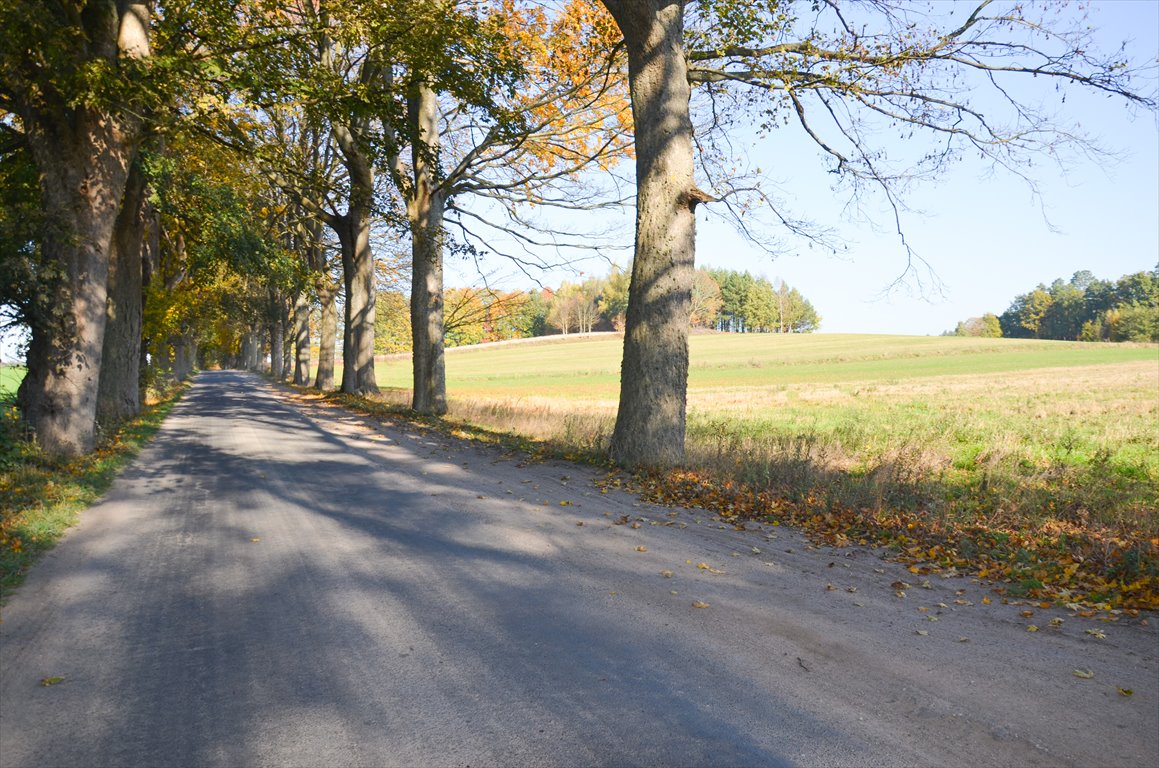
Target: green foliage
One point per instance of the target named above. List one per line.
(392, 331)
(1088, 309)
(22, 272)
(754, 305)
(613, 301)
(986, 327)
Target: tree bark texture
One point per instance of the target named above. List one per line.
(83, 153)
(327, 332)
(84, 164)
(277, 341)
(119, 392)
(353, 230)
(358, 277)
(185, 356)
(650, 423)
(287, 348)
(425, 208)
(302, 339)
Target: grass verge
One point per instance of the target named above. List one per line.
(41, 498)
(1034, 539)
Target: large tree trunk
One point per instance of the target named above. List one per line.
(302, 339)
(425, 212)
(277, 341)
(327, 332)
(353, 231)
(248, 356)
(82, 151)
(83, 166)
(358, 279)
(184, 356)
(654, 376)
(119, 391)
(287, 348)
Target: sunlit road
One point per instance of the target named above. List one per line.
(270, 584)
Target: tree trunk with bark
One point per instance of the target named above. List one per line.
(184, 356)
(302, 339)
(119, 391)
(327, 332)
(358, 277)
(82, 152)
(277, 341)
(83, 166)
(425, 208)
(650, 423)
(353, 230)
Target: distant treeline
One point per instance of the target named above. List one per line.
(722, 299)
(1081, 309)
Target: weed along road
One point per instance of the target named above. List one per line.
(276, 582)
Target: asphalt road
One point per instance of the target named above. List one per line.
(276, 583)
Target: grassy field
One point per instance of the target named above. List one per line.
(1035, 438)
(853, 402)
(10, 378)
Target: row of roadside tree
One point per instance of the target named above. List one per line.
(181, 174)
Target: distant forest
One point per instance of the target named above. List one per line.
(1081, 309)
(722, 299)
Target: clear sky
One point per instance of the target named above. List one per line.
(985, 236)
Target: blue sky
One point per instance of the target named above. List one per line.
(988, 239)
(985, 236)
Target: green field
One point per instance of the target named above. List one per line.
(10, 378)
(589, 369)
(1036, 432)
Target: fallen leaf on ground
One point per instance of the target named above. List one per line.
(51, 681)
(641, 548)
(666, 574)
(1097, 633)
(921, 632)
(699, 604)
(1032, 628)
(1085, 674)
(1126, 692)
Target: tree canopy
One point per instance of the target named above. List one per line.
(1085, 308)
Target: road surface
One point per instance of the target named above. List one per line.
(279, 583)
